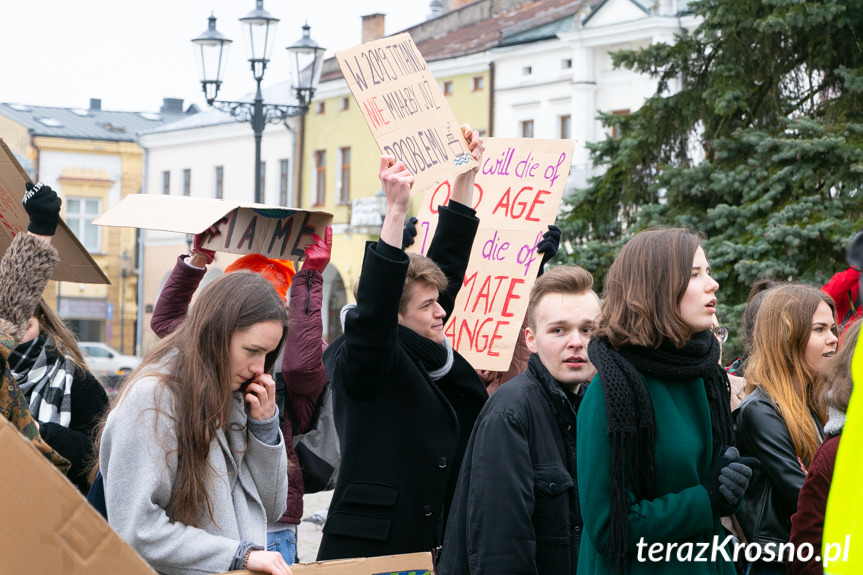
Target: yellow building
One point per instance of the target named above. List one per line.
(90, 157)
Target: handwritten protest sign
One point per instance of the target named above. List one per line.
(516, 195)
(76, 264)
(274, 232)
(405, 109)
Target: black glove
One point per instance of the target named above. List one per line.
(548, 246)
(43, 206)
(854, 255)
(728, 479)
(734, 479)
(409, 233)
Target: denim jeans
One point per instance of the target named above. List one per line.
(285, 542)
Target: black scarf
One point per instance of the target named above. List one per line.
(631, 419)
(436, 358)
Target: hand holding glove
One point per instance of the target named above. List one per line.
(43, 206)
(728, 479)
(409, 233)
(548, 246)
(318, 253)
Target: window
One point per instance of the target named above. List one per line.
(263, 177)
(344, 103)
(283, 182)
(527, 70)
(220, 182)
(565, 123)
(447, 88)
(478, 83)
(345, 187)
(187, 182)
(566, 64)
(527, 129)
(320, 177)
(166, 183)
(617, 132)
(80, 213)
(320, 108)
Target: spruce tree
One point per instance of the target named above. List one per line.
(761, 149)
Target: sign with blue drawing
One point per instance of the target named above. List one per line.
(405, 109)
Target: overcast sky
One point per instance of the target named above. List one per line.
(132, 54)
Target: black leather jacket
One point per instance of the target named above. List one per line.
(771, 497)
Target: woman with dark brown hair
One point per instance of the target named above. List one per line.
(655, 470)
(192, 457)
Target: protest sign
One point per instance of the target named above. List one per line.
(406, 564)
(516, 195)
(76, 264)
(274, 232)
(405, 109)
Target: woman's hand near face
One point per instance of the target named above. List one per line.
(261, 397)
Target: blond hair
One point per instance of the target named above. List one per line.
(777, 365)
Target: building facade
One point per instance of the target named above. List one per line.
(91, 158)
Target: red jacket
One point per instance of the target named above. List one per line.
(844, 288)
(302, 362)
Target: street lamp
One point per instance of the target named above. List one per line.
(211, 48)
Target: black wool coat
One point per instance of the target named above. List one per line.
(402, 435)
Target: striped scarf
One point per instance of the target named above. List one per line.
(45, 379)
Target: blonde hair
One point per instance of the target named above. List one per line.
(777, 366)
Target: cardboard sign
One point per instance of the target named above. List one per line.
(516, 195)
(405, 109)
(76, 264)
(408, 564)
(274, 232)
(49, 524)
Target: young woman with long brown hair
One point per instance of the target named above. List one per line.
(193, 460)
(780, 420)
(654, 466)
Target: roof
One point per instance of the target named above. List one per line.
(545, 32)
(484, 34)
(85, 124)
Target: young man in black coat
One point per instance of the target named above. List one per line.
(516, 507)
(404, 402)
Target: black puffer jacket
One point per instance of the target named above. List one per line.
(771, 497)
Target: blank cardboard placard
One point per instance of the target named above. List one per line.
(76, 264)
(516, 195)
(272, 231)
(407, 564)
(405, 109)
(48, 527)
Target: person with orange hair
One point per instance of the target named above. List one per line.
(302, 378)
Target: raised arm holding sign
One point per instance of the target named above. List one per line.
(404, 401)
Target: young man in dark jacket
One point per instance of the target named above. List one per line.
(404, 402)
(516, 507)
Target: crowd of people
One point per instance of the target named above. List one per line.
(616, 442)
